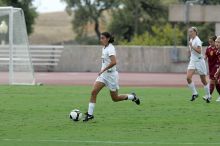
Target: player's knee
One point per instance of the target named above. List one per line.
(212, 82)
(203, 80)
(189, 79)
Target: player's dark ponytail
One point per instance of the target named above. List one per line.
(108, 35)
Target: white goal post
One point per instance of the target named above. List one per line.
(14, 38)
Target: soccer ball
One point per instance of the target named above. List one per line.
(75, 115)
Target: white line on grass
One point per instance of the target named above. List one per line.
(111, 142)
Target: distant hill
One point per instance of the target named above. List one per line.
(52, 28)
(56, 28)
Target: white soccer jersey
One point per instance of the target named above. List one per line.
(196, 42)
(109, 77)
(197, 61)
(106, 53)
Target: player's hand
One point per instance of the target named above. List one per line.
(190, 44)
(216, 75)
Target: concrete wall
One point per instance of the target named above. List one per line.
(196, 13)
(130, 59)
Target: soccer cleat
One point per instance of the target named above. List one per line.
(194, 97)
(207, 99)
(136, 99)
(218, 99)
(88, 117)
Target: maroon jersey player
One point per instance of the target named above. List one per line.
(211, 55)
(217, 45)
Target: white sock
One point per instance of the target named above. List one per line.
(91, 108)
(193, 88)
(207, 91)
(130, 97)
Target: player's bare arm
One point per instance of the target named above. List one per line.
(206, 57)
(197, 49)
(189, 53)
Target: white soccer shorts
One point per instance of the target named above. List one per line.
(199, 66)
(110, 80)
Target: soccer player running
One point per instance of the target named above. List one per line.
(211, 55)
(108, 76)
(197, 63)
(217, 45)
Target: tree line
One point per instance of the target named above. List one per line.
(134, 22)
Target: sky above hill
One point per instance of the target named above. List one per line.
(45, 6)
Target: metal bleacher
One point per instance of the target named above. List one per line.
(44, 57)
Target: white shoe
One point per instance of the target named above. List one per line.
(218, 99)
(205, 97)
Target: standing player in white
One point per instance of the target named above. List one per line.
(197, 63)
(108, 76)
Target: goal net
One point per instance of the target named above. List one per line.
(14, 43)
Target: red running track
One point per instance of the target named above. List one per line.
(126, 79)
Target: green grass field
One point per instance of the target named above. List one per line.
(38, 115)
